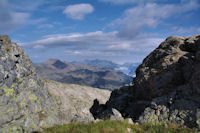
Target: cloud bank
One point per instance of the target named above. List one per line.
(97, 44)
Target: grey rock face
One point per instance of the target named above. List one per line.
(28, 104)
(166, 87)
(25, 104)
(74, 101)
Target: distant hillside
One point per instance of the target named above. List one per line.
(74, 101)
(82, 74)
(127, 68)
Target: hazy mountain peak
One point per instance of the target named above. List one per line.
(59, 64)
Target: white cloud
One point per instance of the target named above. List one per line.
(9, 19)
(45, 26)
(183, 30)
(71, 52)
(121, 46)
(25, 5)
(120, 1)
(75, 39)
(36, 21)
(38, 47)
(132, 1)
(142, 1)
(150, 15)
(98, 45)
(78, 11)
(30, 5)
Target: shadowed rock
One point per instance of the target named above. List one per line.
(166, 87)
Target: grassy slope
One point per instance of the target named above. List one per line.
(116, 127)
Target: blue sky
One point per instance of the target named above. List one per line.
(116, 30)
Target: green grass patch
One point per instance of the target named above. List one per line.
(117, 127)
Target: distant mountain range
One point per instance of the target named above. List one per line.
(96, 73)
(127, 68)
(102, 64)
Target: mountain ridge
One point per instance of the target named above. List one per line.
(127, 67)
(82, 74)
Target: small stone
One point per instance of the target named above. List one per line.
(129, 120)
(136, 123)
(116, 115)
(129, 130)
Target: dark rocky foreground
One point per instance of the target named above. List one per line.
(166, 88)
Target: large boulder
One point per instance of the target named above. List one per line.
(166, 88)
(25, 104)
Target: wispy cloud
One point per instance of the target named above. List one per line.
(75, 39)
(185, 30)
(9, 19)
(120, 47)
(134, 1)
(26, 5)
(149, 15)
(12, 20)
(97, 44)
(78, 11)
(30, 5)
(42, 26)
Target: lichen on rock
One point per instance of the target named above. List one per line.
(23, 96)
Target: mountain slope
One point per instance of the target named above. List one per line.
(82, 74)
(166, 88)
(126, 68)
(102, 64)
(74, 101)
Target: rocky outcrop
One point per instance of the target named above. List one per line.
(25, 104)
(166, 88)
(74, 101)
(28, 104)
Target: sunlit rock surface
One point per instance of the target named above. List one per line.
(25, 104)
